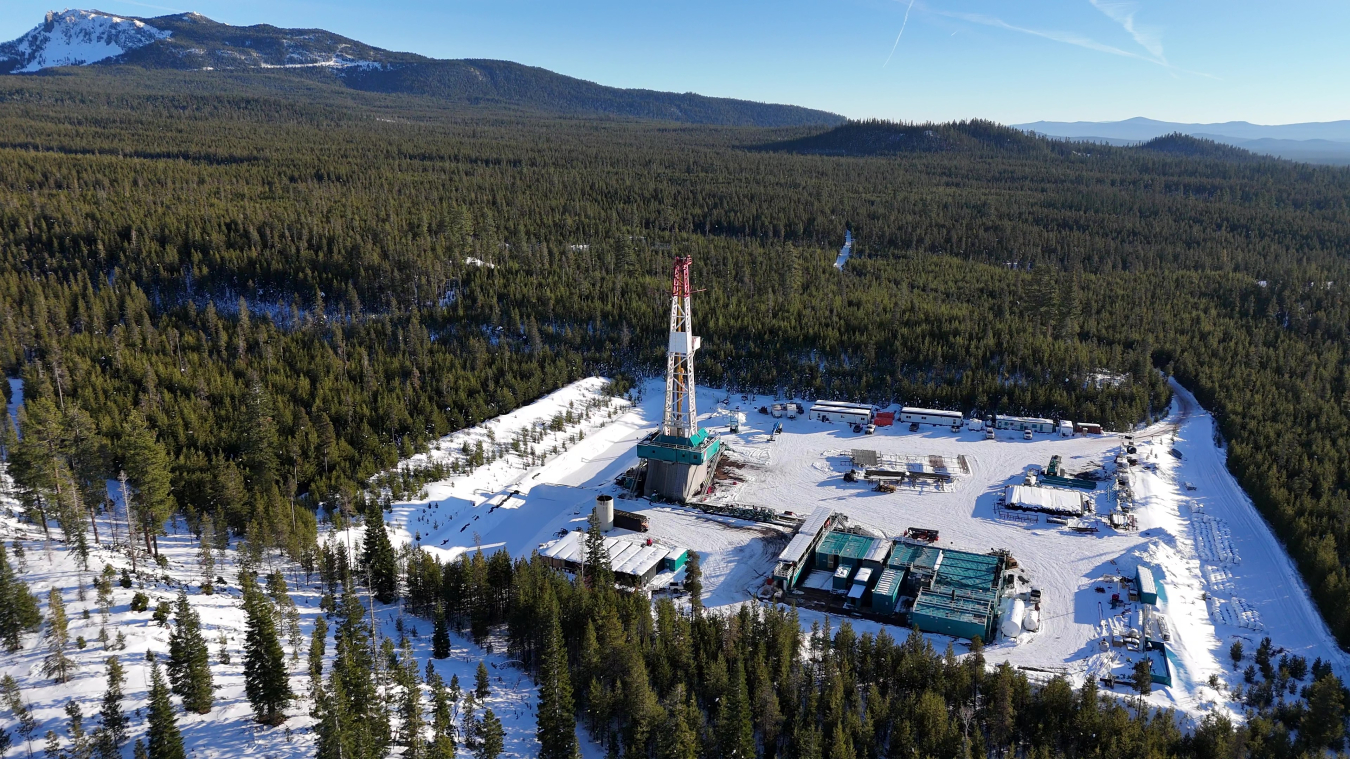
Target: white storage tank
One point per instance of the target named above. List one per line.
(1012, 621)
(604, 512)
(1032, 622)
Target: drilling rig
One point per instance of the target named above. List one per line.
(680, 457)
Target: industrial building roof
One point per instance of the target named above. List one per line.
(889, 582)
(1053, 500)
(816, 522)
(1146, 583)
(955, 603)
(910, 555)
(841, 405)
(845, 546)
(930, 412)
(797, 548)
(1030, 419)
(627, 556)
(880, 550)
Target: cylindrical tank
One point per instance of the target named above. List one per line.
(604, 512)
(1012, 621)
(1032, 622)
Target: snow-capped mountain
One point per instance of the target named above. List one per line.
(76, 38)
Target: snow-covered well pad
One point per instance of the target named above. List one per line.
(1223, 575)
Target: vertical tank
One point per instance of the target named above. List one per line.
(604, 512)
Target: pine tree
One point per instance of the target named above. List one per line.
(1324, 723)
(80, 745)
(18, 607)
(693, 583)
(442, 719)
(189, 659)
(112, 720)
(735, 731)
(599, 573)
(206, 552)
(147, 470)
(490, 737)
(266, 681)
(379, 557)
(57, 665)
(482, 685)
(165, 742)
(353, 709)
(440, 635)
(411, 711)
(23, 713)
(557, 725)
(286, 610)
(318, 645)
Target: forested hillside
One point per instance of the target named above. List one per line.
(289, 288)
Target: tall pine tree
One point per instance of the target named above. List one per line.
(18, 606)
(379, 557)
(557, 722)
(165, 742)
(189, 659)
(112, 720)
(57, 665)
(266, 681)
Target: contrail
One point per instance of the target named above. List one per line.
(903, 24)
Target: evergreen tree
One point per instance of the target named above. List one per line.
(411, 710)
(1324, 723)
(23, 713)
(735, 731)
(18, 607)
(693, 583)
(598, 570)
(165, 742)
(440, 635)
(442, 719)
(353, 709)
(318, 645)
(556, 719)
(112, 720)
(189, 659)
(147, 469)
(490, 737)
(286, 610)
(379, 557)
(57, 665)
(80, 745)
(206, 554)
(266, 681)
(482, 684)
(678, 738)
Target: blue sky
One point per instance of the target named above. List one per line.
(1183, 60)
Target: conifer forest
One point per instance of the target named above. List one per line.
(242, 300)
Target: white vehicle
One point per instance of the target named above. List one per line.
(871, 429)
(1026, 434)
(988, 433)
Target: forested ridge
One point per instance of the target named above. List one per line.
(294, 285)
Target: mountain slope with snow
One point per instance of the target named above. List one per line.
(76, 38)
(191, 42)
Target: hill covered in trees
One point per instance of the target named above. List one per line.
(882, 138)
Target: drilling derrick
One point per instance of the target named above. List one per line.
(680, 457)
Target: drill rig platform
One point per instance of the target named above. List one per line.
(680, 457)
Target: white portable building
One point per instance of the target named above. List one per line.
(913, 414)
(841, 411)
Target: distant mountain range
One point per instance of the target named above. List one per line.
(190, 41)
(1313, 142)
